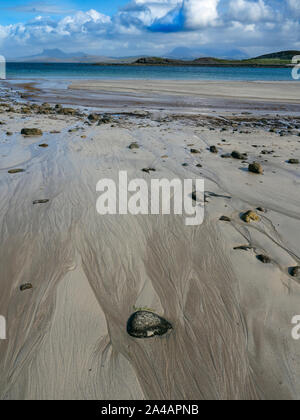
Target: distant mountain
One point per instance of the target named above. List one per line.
(58, 56)
(282, 55)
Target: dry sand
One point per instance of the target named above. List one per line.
(231, 314)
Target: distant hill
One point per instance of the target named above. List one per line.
(282, 55)
(211, 61)
(58, 56)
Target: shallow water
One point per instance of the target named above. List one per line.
(90, 71)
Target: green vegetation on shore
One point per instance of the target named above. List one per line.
(280, 59)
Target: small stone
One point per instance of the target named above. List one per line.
(31, 132)
(40, 201)
(44, 145)
(256, 168)
(9, 133)
(213, 149)
(197, 196)
(293, 161)
(195, 151)
(295, 271)
(106, 119)
(26, 286)
(237, 155)
(94, 117)
(243, 248)
(66, 111)
(148, 170)
(16, 171)
(225, 219)
(264, 259)
(250, 216)
(133, 146)
(146, 324)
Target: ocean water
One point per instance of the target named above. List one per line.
(89, 71)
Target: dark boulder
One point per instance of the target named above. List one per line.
(264, 259)
(31, 132)
(295, 271)
(256, 168)
(146, 324)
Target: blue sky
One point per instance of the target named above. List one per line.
(152, 27)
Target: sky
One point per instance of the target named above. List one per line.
(118, 28)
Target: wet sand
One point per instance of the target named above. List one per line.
(231, 314)
(167, 96)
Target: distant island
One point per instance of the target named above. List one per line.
(276, 60)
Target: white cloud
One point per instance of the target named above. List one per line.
(158, 26)
(250, 11)
(200, 13)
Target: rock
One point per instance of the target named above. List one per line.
(195, 151)
(94, 117)
(148, 170)
(225, 219)
(197, 196)
(146, 324)
(133, 146)
(264, 259)
(250, 216)
(46, 105)
(256, 168)
(185, 165)
(40, 201)
(16, 171)
(31, 132)
(199, 165)
(26, 286)
(261, 209)
(66, 111)
(237, 155)
(295, 271)
(213, 149)
(293, 161)
(25, 110)
(9, 133)
(243, 248)
(106, 119)
(44, 145)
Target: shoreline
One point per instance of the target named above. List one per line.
(169, 95)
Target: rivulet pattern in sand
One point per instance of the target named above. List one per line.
(231, 314)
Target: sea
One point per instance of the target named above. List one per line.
(90, 71)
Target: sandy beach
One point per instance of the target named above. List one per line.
(231, 313)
